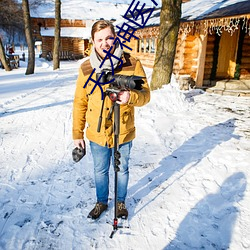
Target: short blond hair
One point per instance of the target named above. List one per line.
(100, 25)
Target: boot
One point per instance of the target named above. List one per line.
(97, 210)
(122, 211)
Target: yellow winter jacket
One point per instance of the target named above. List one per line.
(87, 107)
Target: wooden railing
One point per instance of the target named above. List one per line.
(63, 55)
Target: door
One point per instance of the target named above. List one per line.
(227, 55)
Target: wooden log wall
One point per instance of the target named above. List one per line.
(50, 22)
(245, 60)
(66, 44)
(146, 56)
(186, 55)
(178, 61)
(73, 45)
(209, 57)
(47, 45)
(79, 46)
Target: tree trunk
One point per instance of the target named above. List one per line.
(28, 33)
(169, 27)
(3, 57)
(56, 59)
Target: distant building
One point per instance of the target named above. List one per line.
(77, 19)
(74, 37)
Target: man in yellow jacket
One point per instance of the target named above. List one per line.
(86, 110)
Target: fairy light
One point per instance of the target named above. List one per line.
(218, 25)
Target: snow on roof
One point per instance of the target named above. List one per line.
(89, 10)
(200, 9)
(79, 32)
(81, 10)
(191, 10)
(197, 9)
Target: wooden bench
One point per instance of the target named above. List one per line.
(63, 55)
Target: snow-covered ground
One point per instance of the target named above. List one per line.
(189, 169)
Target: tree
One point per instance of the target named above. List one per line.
(10, 24)
(11, 19)
(56, 59)
(28, 33)
(165, 53)
(3, 57)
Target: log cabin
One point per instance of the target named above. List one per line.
(76, 21)
(213, 42)
(74, 37)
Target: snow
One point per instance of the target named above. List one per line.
(87, 9)
(189, 169)
(195, 9)
(92, 10)
(81, 32)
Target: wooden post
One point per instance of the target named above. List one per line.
(201, 60)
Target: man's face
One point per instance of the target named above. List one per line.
(102, 40)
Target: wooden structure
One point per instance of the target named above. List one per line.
(217, 46)
(210, 46)
(71, 46)
(214, 49)
(77, 19)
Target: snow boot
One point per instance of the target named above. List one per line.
(97, 210)
(122, 211)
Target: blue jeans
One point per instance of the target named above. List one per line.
(102, 157)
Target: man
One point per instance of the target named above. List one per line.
(87, 107)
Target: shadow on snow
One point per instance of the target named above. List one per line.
(209, 215)
(209, 225)
(190, 153)
(23, 110)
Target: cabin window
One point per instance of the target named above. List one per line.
(139, 46)
(143, 45)
(152, 45)
(146, 45)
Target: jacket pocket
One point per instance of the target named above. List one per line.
(127, 120)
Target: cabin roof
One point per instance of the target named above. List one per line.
(196, 10)
(80, 10)
(77, 32)
(208, 9)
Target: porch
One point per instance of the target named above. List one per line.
(231, 87)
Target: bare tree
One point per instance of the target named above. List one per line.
(11, 24)
(169, 27)
(3, 57)
(28, 33)
(11, 16)
(56, 59)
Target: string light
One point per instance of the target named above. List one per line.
(218, 25)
